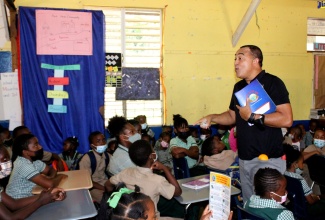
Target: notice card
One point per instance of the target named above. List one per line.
(259, 101)
(219, 198)
(198, 184)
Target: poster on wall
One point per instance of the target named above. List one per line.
(139, 84)
(63, 32)
(113, 73)
(10, 99)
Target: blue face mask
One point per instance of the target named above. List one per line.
(298, 171)
(101, 149)
(319, 143)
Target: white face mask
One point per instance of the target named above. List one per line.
(291, 136)
(100, 149)
(144, 126)
(5, 169)
(298, 171)
(319, 143)
(203, 137)
(135, 137)
(283, 198)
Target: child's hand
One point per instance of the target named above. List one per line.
(157, 166)
(58, 194)
(46, 197)
(178, 152)
(206, 213)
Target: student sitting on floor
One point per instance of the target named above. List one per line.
(295, 160)
(125, 135)
(99, 156)
(153, 185)
(270, 188)
(28, 169)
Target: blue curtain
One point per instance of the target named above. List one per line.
(86, 88)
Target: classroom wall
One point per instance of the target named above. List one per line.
(198, 52)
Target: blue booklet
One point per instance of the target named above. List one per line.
(260, 102)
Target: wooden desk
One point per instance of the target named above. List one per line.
(77, 205)
(77, 179)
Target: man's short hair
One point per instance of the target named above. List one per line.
(257, 53)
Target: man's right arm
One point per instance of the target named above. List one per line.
(225, 118)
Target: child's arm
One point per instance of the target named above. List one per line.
(98, 186)
(46, 182)
(49, 172)
(169, 176)
(109, 187)
(306, 155)
(30, 205)
(193, 152)
(311, 199)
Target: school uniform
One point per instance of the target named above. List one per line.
(98, 176)
(19, 185)
(267, 208)
(177, 142)
(120, 160)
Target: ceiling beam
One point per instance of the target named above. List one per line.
(247, 17)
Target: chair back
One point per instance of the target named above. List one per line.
(298, 202)
(315, 166)
(244, 214)
(181, 169)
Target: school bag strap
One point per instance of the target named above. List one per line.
(93, 162)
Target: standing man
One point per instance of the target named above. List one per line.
(264, 136)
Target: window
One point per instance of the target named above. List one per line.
(137, 34)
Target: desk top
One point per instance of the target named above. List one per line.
(197, 195)
(77, 179)
(77, 205)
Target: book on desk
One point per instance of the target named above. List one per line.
(198, 184)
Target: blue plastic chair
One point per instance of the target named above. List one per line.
(181, 169)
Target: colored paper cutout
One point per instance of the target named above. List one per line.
(58, 81)
(57, 94)
(63, 67)
(57, 108)
(65, 32)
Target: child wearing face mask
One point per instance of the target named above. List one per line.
(270, 189)
(125, 135)
(99, 176)
(163, 154)
(318, 146)
(28, 169)
(184, 145)
(151, 184)
(145, 129)
(295, 160)
(5, 166)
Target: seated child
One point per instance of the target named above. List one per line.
(136, 124)
(216, 156)
(153, 185)
(48, 157)
(6, 139)
(98, 147)
(164, 128)
(313, 125)
(270, 189)
(125, 135)
(195, 134)
(295, 160)
(70, 154)
(184, 145)
(5, 166)
(145, 129)
(124, 203)
(163, 154)
(294, 138)
(317, 147)
(111, 145)
(28, 169)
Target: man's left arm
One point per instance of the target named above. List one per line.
(281, 118)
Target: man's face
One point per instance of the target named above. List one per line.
(244, 63)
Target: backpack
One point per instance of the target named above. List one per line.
(93, 162)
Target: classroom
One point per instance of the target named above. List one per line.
(66, 96)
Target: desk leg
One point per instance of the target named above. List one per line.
(186, 211)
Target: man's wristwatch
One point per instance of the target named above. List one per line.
(251, 118)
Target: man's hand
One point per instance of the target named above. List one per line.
(245, 112)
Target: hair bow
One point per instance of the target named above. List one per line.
(116, 196)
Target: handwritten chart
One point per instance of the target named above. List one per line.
(9, 91)
(63, 32)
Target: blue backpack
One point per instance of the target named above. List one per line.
(93, 162)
